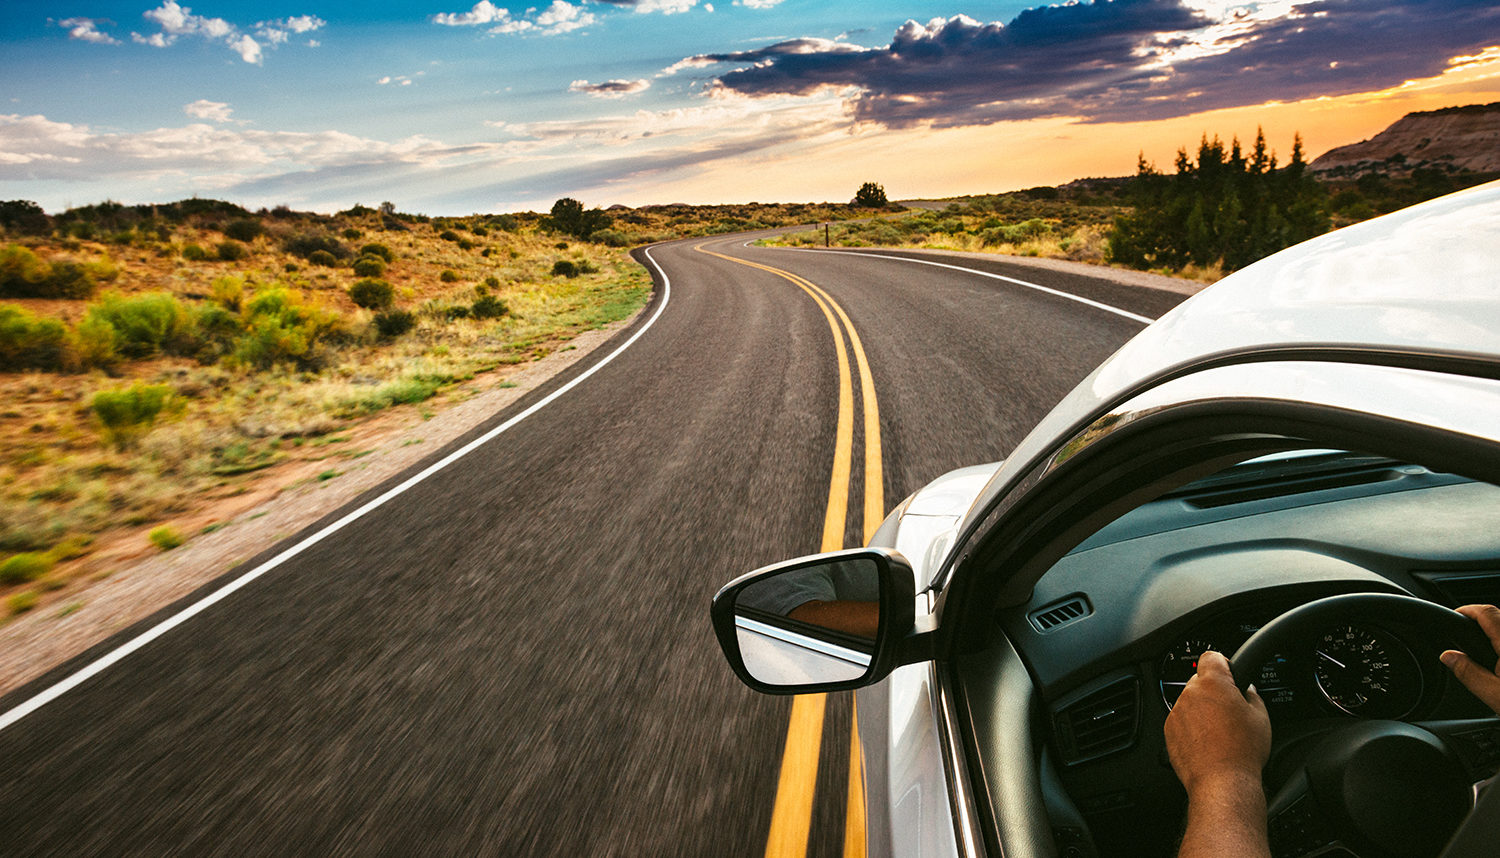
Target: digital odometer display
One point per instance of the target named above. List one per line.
(1366, 672)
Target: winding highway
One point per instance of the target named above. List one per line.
(510, 654)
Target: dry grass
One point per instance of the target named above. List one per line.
(66, 493)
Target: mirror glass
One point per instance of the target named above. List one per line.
(811, 624)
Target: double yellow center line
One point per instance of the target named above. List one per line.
(791, 818)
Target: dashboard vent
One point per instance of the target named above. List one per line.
(1099, 723)
(1059, 614)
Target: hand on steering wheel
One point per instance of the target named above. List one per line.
(1484, 684)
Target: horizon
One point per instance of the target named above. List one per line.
(481, 108)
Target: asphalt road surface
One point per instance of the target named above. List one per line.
(513, 656)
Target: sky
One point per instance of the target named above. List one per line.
(448, 107)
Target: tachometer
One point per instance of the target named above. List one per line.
(1179, 665)
(1367, 672)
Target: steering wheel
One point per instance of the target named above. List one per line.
(1376, 788)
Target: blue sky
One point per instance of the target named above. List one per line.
(458, 107)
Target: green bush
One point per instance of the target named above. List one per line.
(378, 249)
(351, 233)
(279, 327)
(448, 276)
(492, 282)
(20, 568)
(448, 235)
(127, 413)
(394, 323)
(94, 343)
(610, 237)
(29, 342)
(244, 229)
(372, 294)
(323, 258)
(369, 266)
(306, 244)
(194, 253)
(165, 537)
(564, 268)
(488, 307)
(147, 324)
(24, 275)
(231, 250)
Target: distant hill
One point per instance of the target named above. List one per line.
(1451, 139)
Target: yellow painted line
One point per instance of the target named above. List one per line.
(791, 819)
(854, 816)
(791, 815)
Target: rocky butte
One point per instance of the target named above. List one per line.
(1451, 139)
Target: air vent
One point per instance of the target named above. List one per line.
(1059, 614)
(1100, 723)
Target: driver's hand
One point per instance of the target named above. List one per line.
(1214, 731)
(1483, 683)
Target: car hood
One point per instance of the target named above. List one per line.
(1417, 282)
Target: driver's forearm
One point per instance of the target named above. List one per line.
(1226, 819)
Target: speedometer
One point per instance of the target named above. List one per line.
(1179, 665)
(1367, 672)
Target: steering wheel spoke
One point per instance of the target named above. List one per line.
(1297, 824)
(1476, 741)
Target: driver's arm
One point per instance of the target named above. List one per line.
(1218, 741)
(1483, 683)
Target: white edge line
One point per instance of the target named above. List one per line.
(1059, 293)
(104, 662)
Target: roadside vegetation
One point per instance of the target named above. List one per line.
(156, 360)
(1221, 209)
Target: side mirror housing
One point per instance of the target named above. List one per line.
(827, 622)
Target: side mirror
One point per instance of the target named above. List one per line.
(827, 622)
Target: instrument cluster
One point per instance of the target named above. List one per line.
(1354, 669)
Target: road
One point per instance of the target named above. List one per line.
(512, 656)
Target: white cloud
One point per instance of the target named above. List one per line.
(176, 21)
(756, 4)
(87, 30)
(247, 48)
(217, 111)
(666, 7)
(484, 12)
(610, 88)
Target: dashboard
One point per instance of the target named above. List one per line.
(1114, 629)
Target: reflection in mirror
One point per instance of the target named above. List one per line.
(811, 624)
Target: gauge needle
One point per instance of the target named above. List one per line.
(1332, 659)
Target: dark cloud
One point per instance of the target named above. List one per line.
(610, 88)
(1117, 61)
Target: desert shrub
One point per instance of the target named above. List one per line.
(94, 343)
(217, 327)
(24, 217)
(378, 249)
(290, 267)
(27, 566)
(394, 323)
(870, 195)
(244, 229)
(479, 230)
(306, 244)
(25, 275)
(230, 250)
(448, 276)
(466, 244)
(564, 268)
(448, 235)
(194, 253)
(146, 324)
(323, 258)
(457, 311)
(610, 237)
(229, 292)
(492, 282)
(369, 266)
(128, 413)
(280, 327)
(165, 537)
(569, 216)
(29, 342)
(351, 233)
(488, 307)
(372, 294)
